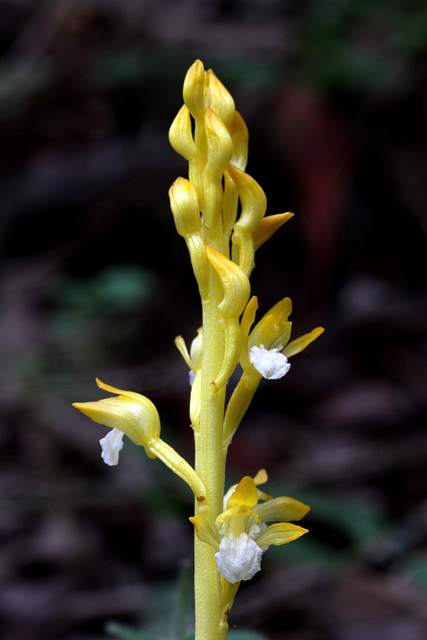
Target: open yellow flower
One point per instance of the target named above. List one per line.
(241, 535)
(135, 416)
(128, 414)
(268, 343)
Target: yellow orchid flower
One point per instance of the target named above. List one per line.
(268, 346)
(135, 416)
(241, 535)
(128, 414)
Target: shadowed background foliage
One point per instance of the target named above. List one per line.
(94, 281)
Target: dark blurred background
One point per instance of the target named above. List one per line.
(94, 281)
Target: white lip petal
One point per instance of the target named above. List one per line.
(111, 446)
(270, 363)
(238, 558)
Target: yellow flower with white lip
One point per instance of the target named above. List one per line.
(135, 416)
(268, 346)
(241, 535)
(128, 414)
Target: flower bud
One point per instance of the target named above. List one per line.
(220, 144)
(194, 89)
(219, 99)
(180, 134)
(185, 207)
(235, 284)
(240, 136)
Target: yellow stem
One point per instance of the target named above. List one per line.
(210, 467)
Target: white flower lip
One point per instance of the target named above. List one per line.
(238, 558)
(111, 446)
(270, 363)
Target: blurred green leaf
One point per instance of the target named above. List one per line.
(414, 569)
(115, 288)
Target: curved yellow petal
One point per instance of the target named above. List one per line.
(261, 477)
(234, 282)
(185, 207)
(121, 392)
(194, 89)
(295, 346)
(245, 495)
(205, 532)
(267, 226)
(182, 348)
(274, 329)
(279, 533)
(181, 136)
(219, 98)
(281, 509)
(240, 135)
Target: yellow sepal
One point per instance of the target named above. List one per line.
(295, 346)
(180, 134)
(245, 495)
(268, 226)
(219, 144)
(281, 509)
(194, 89)
(219, 98)
(205, 532)
(273, 329)
(185, 207)
(240, 136)
(235, 284)
(279, 533)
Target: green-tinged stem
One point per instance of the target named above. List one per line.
(210, 466)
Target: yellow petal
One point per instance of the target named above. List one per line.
(239, 134)
(122, 392)
(279, 533)
(205, 532)
(252, 196)
(194, 89)
(273, 330)
(234, 283)
(268, 226)
(246, 322)
(182, 348)
(245, 495)
(219, 98)
(261, 477)
(180, 134)
(295, 346)
(281, 509)
(220, 144)
(185, 207)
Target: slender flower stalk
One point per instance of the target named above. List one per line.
(219, 210)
